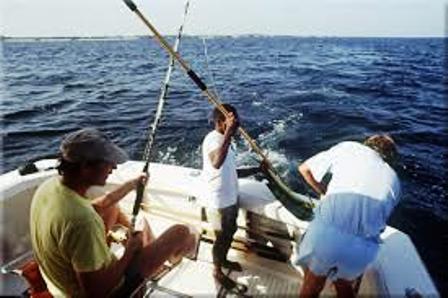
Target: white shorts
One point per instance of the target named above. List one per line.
(328, 251)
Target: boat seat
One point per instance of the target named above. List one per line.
(26, 267)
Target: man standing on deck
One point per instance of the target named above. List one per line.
(221, 177)
(344, 236)
(69, 236)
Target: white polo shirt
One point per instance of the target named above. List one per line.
(362, 192)
(220, 185)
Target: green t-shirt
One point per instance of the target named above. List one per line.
(67, 236)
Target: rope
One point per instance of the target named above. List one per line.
(158, 115)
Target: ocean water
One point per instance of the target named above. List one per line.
(295, 96)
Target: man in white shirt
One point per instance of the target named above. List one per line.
(344, 236)
(221, 188)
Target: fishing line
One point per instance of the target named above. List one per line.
(207, 67)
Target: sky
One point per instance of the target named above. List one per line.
(405, 18)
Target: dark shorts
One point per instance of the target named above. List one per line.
(223, 219)
(224, 223)
(132, 280)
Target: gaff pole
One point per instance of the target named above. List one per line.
(272, 175)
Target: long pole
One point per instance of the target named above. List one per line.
(300, 199)
(193, 76)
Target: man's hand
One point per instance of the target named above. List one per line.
(264, 166)
(318, 187)
(134, 242)
(141, 179)
(231, 124)
(99, 283)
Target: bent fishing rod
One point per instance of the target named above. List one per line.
(306, 201)
(158, 115)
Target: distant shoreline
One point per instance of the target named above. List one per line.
(129, 37)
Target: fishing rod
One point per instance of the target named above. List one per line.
(272, 176)
(158, 116)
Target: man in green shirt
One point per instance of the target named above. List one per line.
(68, 230)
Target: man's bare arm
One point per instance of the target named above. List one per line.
(318, 187)
(218, 156)
(99, 283)
(102, 203)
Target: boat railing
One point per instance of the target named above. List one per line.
(13, 266)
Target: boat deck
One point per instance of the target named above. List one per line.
(194, 278)
(261, 275)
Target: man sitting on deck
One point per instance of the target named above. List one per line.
(344, 236)
(69, 235)
(221, 177)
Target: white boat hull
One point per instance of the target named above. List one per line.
(397, 271)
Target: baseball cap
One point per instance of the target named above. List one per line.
(89, 144)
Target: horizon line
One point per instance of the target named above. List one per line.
(6, 37)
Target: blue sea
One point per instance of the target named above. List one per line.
(296, 97)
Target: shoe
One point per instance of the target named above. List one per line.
(225, 281)
(234, 266)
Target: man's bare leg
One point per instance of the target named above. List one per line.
(148, 235)
(357, 283)
(122, 218)
(110, 217)
(114, 216)
(344, 288)
(312, 285)
(175, 242)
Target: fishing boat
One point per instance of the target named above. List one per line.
(271, 223)
(268, 236)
